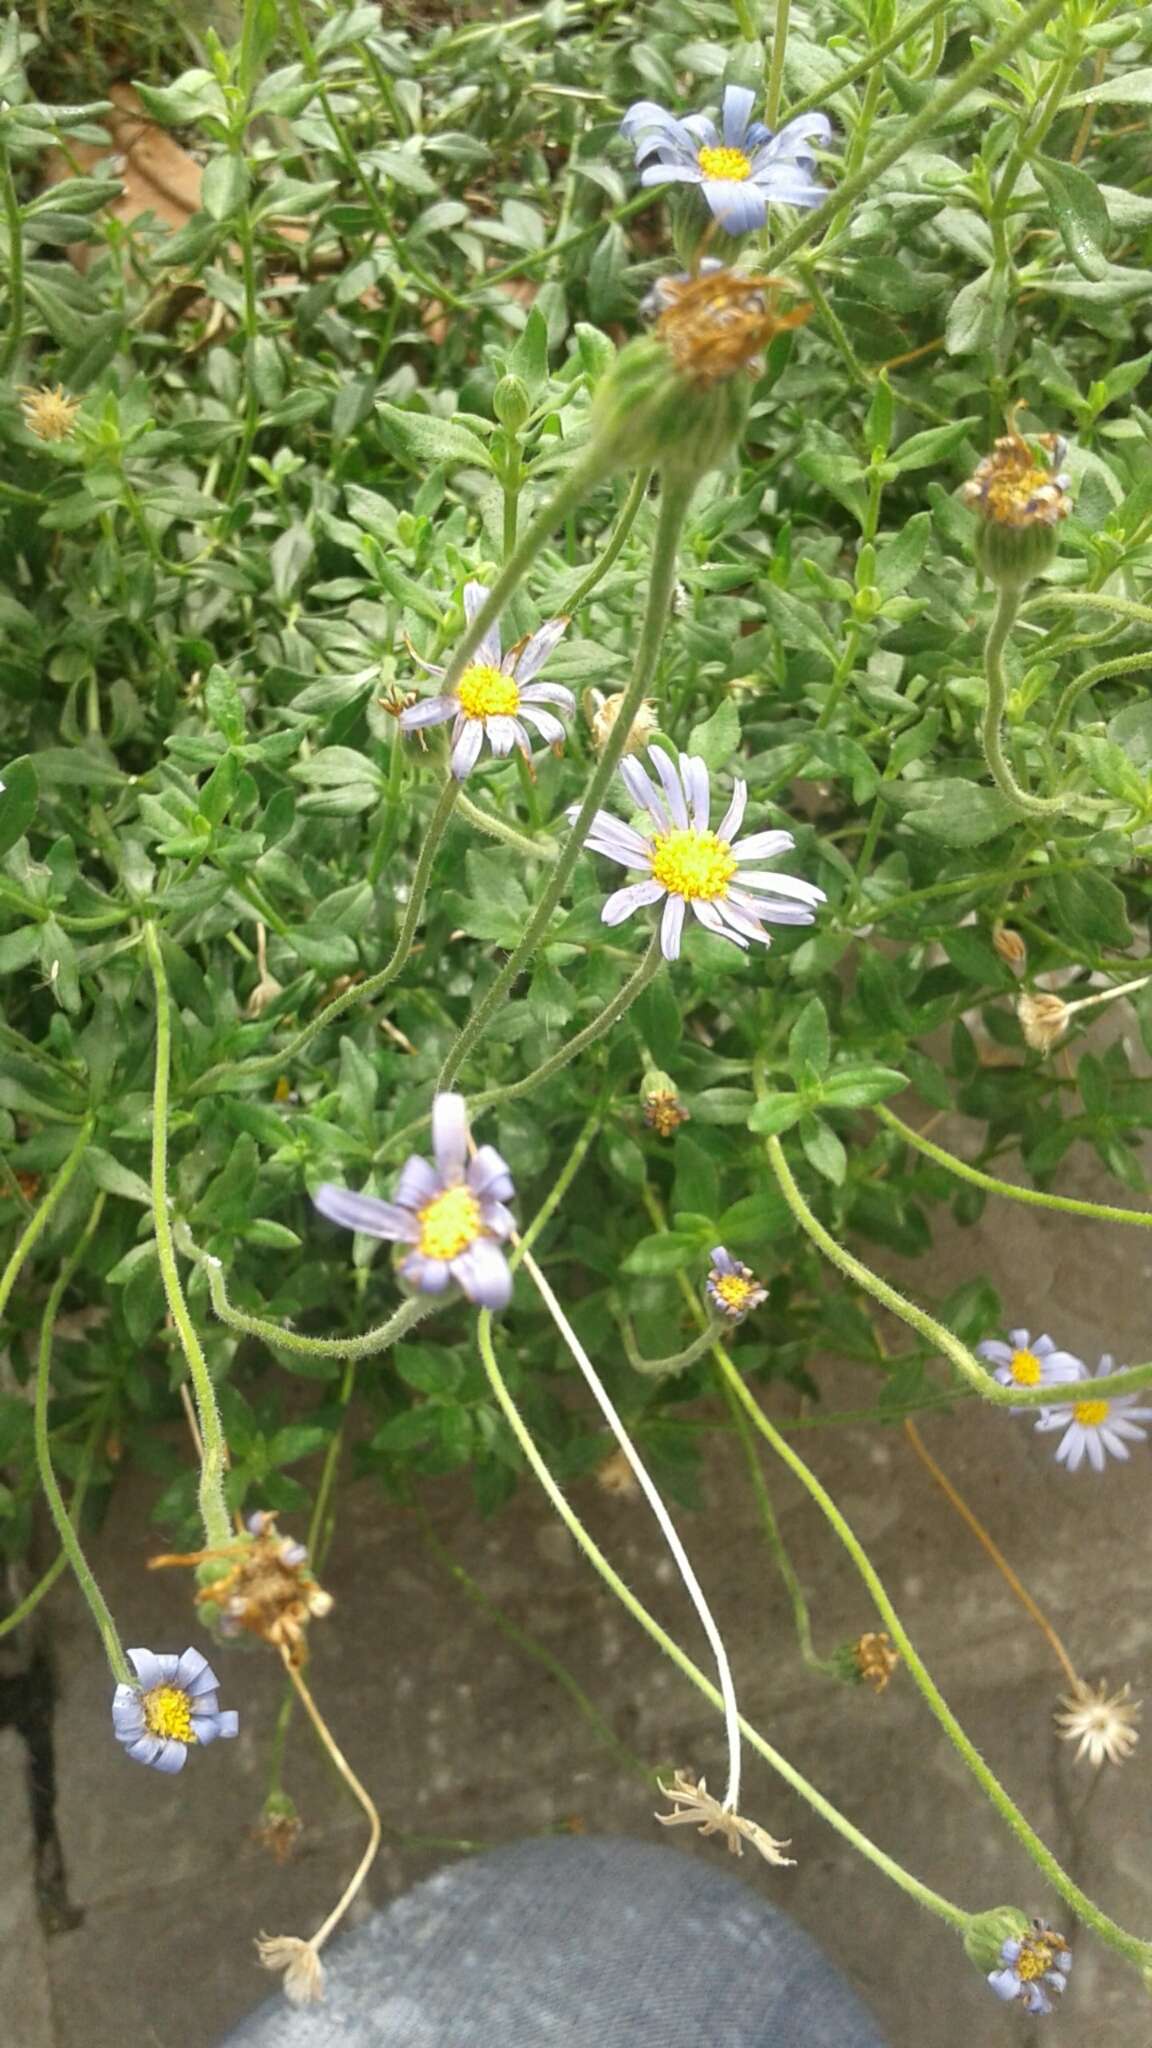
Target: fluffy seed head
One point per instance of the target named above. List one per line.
(1043, 1020)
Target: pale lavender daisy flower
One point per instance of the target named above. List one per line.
(742, 170)
(174, 1704)
(688, 864)
(452, 1214)
(1096, 1428)
(733, 1289)
(1024, 1362)
(496, 697)
(1027, 1963)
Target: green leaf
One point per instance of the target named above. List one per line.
(430, 1369)
(716, 740)
(809, 1042)
(299, 1440)
(108, 1173)
(224, 186)
(898, 560)
(224, 704)
(957, 813)
(976, 315)
(1090, 909)
(823, 1150)
(529, 359)
(934, 445)
(19, 793)
(697, 1185)
(420, 439)
(19, 948)
(668, 1251)
(775, 1113)
(1130, 89)
(1081, 214)
(856, 1087)
(329, 952)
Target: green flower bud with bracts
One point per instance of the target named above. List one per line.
(1020, 495)
(511, 404)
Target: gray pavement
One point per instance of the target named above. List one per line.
(459, 1735)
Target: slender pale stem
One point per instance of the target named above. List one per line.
(560, 1185)
(496, 828)
(859, 68)
(801, 1619)
(674, 501)
(214, 1464)
(1130, 1945)
(776, 73)
(677, 1361)
(69, 1540)
(1034, 1197)
(361, 991)
(613, 1010)
(336, 1754)
(42, 1215)
(614, 543)
(16, 297)
(59, 1564)
(918, 1319)
(972, 1520)
(932, 1901)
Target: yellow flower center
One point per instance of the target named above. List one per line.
(725, 163)
(734, 1291)
(693, 864)
(485, 692)
(449, 1224)
(1091, 1413)
(1037, 1954)
(168, 1712)
(1026, 1369)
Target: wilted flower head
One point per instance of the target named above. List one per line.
(1103, 1723)
(874, 1658)
(1095, 1428)
(452, 1214)
(1043, 1019)
(614, 1475)
(1030, 1362)
(1010, 947)
(733, 1289)
(304, 1973)
(1021, 495)
(663, 1110)
(1027, 1963)
(48, 411)
(496, 697)
(602, 713)
(688, 864)
(742, 170)
(694, 1806)
(173, 1705)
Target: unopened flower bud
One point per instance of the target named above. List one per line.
(511, 404)
(1011, 948)
(663, 1110)
(1020, 495)
(1043, 1020)
(602, 713)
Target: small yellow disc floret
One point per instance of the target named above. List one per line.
(485, 692)
(1026, 1369)
(1091, 1413)
(693, 864)
(729, 164)
(168, 1712)
(449, 1224)
(734, 1291)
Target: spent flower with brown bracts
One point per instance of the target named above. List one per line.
(1020, 495)
(694, 1806)
(1102, 1723)
(452, 1215)
(663, 1110)
(174, 1705)
(496, 698)
(733, 1289)
(875, 1659)
(261, 1584)
(48, 411)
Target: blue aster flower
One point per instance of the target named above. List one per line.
(742, 169)
(1027, 1963)
(451, 1215)
(733, 1289)
(174, 1705)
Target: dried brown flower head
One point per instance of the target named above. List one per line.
(303, 1970)
(875, 1658)
(48, 411)
(602, 713)
(615, 1476)
(694, 1806)
(1011, 948)
(716, 323)
(664, 1113)
(279, 1833)
(259, 1585)
(1043, 1020)
(1017, 488)
(1103, 1724)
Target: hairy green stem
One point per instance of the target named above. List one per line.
(674, 500)
(776, 73)
(932, 1901)
(404, 1319)
(1033, 1197)
(59, 1564)
(1121, 665)
(214, 1461)
(918, 1319)
(676, 1361)
(15, 231)
(991, 732)
(1093, 601)
(1137, 1951)
(486, 821)
(374, 985)
(560, 1186)
(625, 521)
(801, 1619)
(69, 1540)
(42, 1215)
(613, 1010)
(860, 66)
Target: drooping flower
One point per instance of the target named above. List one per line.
(687, 864)
(1096, 1428)
(1027, 1963)
(1103, 1723)
(496, 698)
(694, 1806)
(174, 1704)
(1024, 1362)
(452, 1214)
(742, 169)
(733, 1289)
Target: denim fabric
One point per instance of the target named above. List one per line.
(571, 1943)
